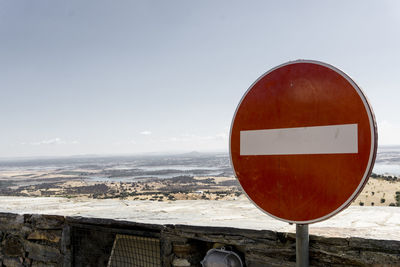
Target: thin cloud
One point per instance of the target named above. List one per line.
(52, 141)
(146, 133)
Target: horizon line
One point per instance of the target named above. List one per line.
(154, 153)
(150, 153)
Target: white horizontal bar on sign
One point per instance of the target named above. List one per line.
(332, 139)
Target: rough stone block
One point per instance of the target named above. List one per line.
(13, 262)
(182, 250)
(46, 222)
(267, 262)
(9, 221)
(328, 241)
(277, 254)
(50, 236)
(177, 262)
(42, 253)
(13, 246)
(392, 246)
(373, 257)
(66, 239)
(66, 246)
(43, 264)
(340, 257)
(25, 230)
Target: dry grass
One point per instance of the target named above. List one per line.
(378, 192)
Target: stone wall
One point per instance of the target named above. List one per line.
(46, 240)
(34, 240)
(268, 248)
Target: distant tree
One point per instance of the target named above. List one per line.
(397, 198)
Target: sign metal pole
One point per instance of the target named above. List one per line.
(302, 247)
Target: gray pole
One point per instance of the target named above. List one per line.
(302, 245)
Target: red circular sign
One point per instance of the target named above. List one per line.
(303, 141)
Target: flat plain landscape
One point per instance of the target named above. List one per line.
(191, 176)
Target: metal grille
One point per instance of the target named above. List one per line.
(134, 251)
(91, 246)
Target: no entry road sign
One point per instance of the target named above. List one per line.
(303, 141)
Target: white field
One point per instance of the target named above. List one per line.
(356, 221)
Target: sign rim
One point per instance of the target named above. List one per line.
(373, 148)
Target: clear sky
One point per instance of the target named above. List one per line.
(111, 77)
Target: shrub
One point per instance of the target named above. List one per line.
(238, 193)
(397, 199)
